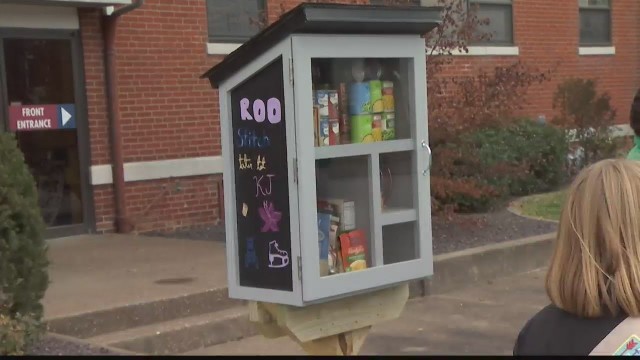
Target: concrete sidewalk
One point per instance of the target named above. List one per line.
(96, 272)
(168, 296)
(482, 320)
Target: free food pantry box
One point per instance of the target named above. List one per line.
(326, 159)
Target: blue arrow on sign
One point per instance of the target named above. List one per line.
(67, 116)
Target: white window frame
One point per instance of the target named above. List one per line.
(486, 48)
(589, 49)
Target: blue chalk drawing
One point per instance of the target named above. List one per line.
(250, 258)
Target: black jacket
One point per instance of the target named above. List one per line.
(553, 331)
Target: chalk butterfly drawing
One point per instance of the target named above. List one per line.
(270, 217)
(276, 253)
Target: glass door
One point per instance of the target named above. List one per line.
(41, 101)
(367, 171)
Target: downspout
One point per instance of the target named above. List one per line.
(123, 223)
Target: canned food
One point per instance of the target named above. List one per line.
(375, 87)
(342, 99)
(323, 131)
(388, 101)
(376, 127)
(345, 131)
(334, 132)
(322, 100)
(388, 126)
(359, 98)
(333, 106)
(361, 126)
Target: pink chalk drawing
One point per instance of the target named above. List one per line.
(270, 217)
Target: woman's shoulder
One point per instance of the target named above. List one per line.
(553, 331)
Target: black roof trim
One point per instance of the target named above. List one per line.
(311, 18)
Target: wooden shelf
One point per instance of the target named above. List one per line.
(392, 216)
(337, 151)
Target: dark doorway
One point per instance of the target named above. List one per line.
(43, 99)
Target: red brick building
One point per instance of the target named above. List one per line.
(133, 138)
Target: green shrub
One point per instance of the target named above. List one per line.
(23, 258)
(487, 166)
(524, 158)
(17, 333)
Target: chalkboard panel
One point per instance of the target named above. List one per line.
(261, 180)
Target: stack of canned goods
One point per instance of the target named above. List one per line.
(358, 112)
(326, 117)
(372, 108)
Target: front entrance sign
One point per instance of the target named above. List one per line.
(42, 117)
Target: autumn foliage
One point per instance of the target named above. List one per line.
(588, 115)
(483, 101)
(464, 103)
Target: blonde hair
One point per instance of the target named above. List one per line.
(595, 266)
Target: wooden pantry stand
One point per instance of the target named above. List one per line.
(326, 170)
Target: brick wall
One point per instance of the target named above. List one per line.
(546, 32)
(104, 208)
(168, 112)
(171, 204)
(92, 45)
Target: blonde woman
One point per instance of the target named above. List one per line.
(593, 280)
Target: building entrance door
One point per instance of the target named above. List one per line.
(43, 103)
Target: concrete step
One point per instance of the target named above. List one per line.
(182, 335)
(101, 322)
(252, 346)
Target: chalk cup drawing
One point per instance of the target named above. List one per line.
(250, 258)
(276, 253)
(270, 217)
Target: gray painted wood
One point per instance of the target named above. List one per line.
(235, 290)
(417, 238)
(408, 224)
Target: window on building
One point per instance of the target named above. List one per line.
(234, 21)
(498, 12)
(500, 16)
(595, 22)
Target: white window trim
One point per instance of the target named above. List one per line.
(160, 169)
(596, 50)
(222, 48)
(487, 51)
